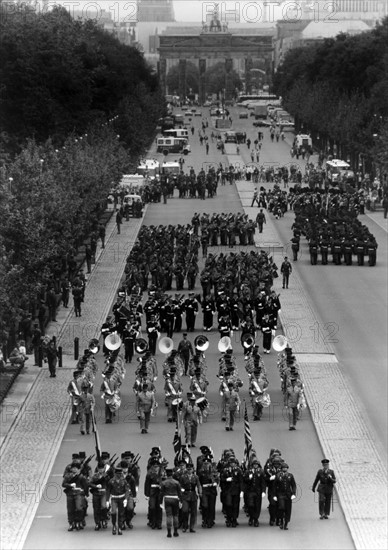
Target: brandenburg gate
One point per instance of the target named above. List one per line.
(214, 41)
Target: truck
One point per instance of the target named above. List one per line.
(260, 111)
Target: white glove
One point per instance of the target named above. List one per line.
(293, 497)
(108, 504)
(242, 494)
(162, 506)
(275, 499)
(73, 485)
(125, 502)
(272, 478)
(250, 476)
(99, 486)
(228, 479)
(180, 505)
(263, 495)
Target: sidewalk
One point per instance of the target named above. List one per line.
(343, 434)
(35, 414)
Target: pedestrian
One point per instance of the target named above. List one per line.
(325, 479)
(65, 289)
(119, 220)
(101, 234)
(36, 343)
(50, 355)
(77, 300)
(191, 417)
(255, 197)
(207, 148)
(88, 258)
(98, 484)
(285, 492)
(85, 410)
(295, 247)
(145, 404)
(171, 496)
(52, 304)
(260, 220)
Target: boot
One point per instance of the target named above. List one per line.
(71, 527)
(113, 529)
(285, 526)
(176, 534)
(119, 531)
(169, 533)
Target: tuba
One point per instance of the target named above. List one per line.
(94, 345)
(112, 341)
(201, 342)
(248, 340)
(279, 343)
(141, 345)
(224, 344)
(166, 345)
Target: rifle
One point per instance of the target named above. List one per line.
(86, 462)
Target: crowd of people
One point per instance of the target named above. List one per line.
(330, 223)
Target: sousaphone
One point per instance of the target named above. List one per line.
(248, 340)
(279, 343)
(94, 346)
(201, 342)
(166, 345)
(141, 345)
(224, 344)
(113, 341)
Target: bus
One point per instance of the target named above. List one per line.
(267, 99)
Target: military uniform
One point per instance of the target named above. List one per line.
(191, 488)
(118, 492)
(285, 491)
(170, 492)
(325, 479)
(254, 489)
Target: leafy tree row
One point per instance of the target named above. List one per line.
(339, 88)
(77, 109)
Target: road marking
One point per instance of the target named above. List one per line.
(316, 358)
(56, 475)
(44, 517)
(69, 439)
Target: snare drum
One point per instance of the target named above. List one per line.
(176, 404)
(202, 403)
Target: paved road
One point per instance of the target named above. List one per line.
(301, 448)
(352, 305)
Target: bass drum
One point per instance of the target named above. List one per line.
(114, 402)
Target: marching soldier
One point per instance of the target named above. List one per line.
(293, 398)
(232, 405)
(171, 496)
(152, 492)
(145, 404)
(98, 484)
(173, 390)
(191, 488)
(191, 309)
(152, 333)
(76, 488)
(209, 479)
(231, 484)
(185, 350)
(129, 510)
(191, 417)
(325, 479)
(254, 491)
(285, 491)
(117, 496)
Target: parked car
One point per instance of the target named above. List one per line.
(261, 123)
(243, 115)
(198, 113)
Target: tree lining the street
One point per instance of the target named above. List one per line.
(77, 110)
(338, 89)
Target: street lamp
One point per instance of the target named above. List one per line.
(10, 180)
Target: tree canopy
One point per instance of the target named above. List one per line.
(339, 88)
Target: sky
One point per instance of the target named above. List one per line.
(249, 11)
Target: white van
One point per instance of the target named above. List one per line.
(149, 167)
(130, 200)
(172, 168)
(170, 144)
(132, 180)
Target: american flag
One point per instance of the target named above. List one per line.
(247, 436)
